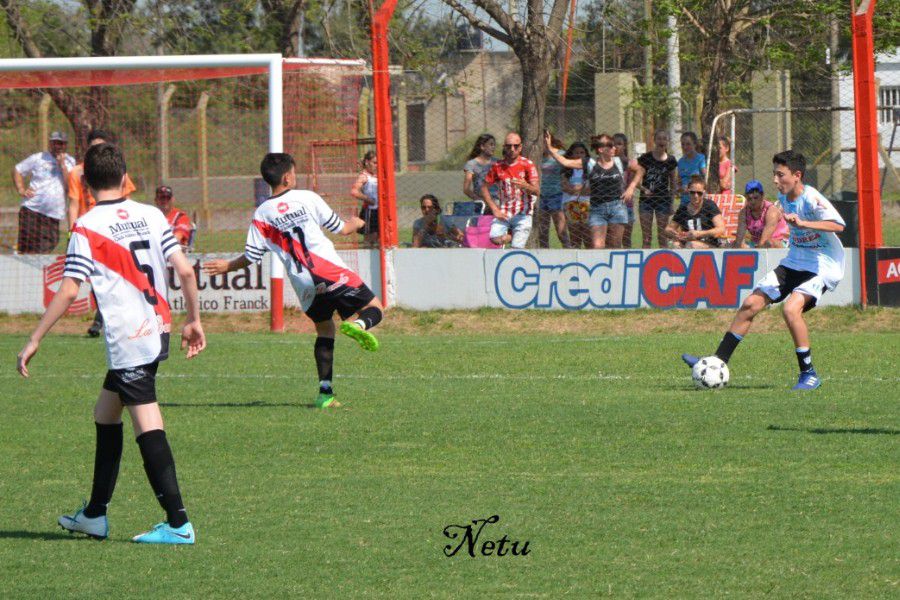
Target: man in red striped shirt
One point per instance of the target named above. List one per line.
(518, 184)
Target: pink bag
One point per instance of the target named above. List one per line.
(478, 235)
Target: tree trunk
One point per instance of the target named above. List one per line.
(535, 85)
(717, 73)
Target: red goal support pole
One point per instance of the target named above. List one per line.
(867, 176)
(384, 138)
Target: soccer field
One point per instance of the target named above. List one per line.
(593, 447)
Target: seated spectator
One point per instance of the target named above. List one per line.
(433, 229)
(182, 227)
(762, 220)
(699, 223)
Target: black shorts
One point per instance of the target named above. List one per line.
(782, 281)
(134, 385)
(345, 300)
(370, 217)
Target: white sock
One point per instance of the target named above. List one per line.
(361, 323)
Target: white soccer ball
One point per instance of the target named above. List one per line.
(710, 372)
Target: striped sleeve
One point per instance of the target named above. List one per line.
(79, 264)
(326, 217)
(168, 243)
(255, 247)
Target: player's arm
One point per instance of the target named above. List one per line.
(192, 336)
(740, 236)
(772, 217)
(824, 225)
(220, 266)
(68, 291)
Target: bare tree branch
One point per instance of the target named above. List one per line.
(478, 23)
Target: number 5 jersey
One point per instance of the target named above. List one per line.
(122, 246)
(290, 225)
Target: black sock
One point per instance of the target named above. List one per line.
(323, 350)
(728, 345)
(804, 359)
(370, 316)
(98, 318)
(107, 456)
(160, 467)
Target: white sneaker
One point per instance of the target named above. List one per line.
(97, 528)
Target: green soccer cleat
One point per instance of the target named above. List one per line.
(366, 340)
(326, 399)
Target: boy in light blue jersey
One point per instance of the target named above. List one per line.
(814, 264)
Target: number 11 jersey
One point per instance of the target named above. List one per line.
(122, 246)
(290, 225)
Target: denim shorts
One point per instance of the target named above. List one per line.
(551, 203)
(608, 213)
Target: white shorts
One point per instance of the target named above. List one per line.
(781, 282)
(520, 225)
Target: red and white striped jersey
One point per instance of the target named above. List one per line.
(513, 199)
(122, 246)
(290, 225)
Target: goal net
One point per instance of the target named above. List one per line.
(198, 125)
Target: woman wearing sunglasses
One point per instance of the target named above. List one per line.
(699, 223)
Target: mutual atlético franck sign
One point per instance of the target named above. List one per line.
(626, 279)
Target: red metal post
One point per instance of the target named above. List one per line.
(388, 236)
(867, 176)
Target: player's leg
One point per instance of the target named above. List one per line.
(367, 318)
(137, 389)
(740, 326)
(323, 351)
(802, 299)
(91, 518)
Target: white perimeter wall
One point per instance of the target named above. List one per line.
(470, 278)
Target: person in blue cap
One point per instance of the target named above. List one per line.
(761, 221)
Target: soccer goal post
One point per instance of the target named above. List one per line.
(198, 124)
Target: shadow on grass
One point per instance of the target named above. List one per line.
(49, 536)
(825, 430)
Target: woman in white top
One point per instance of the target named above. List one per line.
(365, 188)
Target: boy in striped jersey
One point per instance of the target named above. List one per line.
(290, 224)
(123, 246)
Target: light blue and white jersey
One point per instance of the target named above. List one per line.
(819, 252)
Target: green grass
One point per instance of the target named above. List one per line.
(597, 450)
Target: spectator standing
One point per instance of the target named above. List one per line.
(44, 197)
(691, 163)
(762, 219)
(606, 178)
(551, 199)
(433, 229)
(726, 170)
(576, 200)
(699, 223)
(365, 188)
(516, 178)
(631, 170)
(182, 227)
(478, 163)
(80, 198)
(658, 180)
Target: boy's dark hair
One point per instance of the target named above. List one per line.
(274, 166)
(99, 134)
(792, 160)
(691, 136)
(104, 167)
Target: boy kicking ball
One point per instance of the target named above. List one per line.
(123, 246)
(813, 265)
(290, 224)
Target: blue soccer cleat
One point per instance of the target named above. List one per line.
(97, 528)
(690, 360)
(164, 534)
(808, 380)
